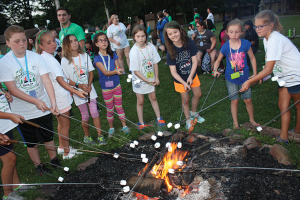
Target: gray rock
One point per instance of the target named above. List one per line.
(251, 143)
(281, 154)
(87, 163)
(227, 131)
(146, 136)
(167, 133)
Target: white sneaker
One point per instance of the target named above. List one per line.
(23, 188)
(61, 150)
(14, 196)
(69, 156)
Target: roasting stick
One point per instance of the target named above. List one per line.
(208, 92)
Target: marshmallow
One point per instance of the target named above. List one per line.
(153, 137)
(143, 155)
(129, 76)
(116, 155)
(132, 145)
(171, 171)
(169, 125)
(123, 182)
(136, 142)
(126, 189)
(135, 82)
(281, 83)
(128, 80)
(275, 78)
(159, 133)
(66, 169)
(145, 160)
(138, 80)
(157, 145)
(259, 129)
(177, 126)
(179, 163)
(60, 179)
(179, 145)
(170, 149)
(168, 144)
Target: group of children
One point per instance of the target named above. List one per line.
(41, 86)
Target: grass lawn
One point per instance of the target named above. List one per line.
(218, 117)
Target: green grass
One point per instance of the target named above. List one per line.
(218, 117)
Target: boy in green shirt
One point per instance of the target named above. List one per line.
(165, 11)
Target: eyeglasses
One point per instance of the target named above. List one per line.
(198, 26)
(259, 27)
(100, 41)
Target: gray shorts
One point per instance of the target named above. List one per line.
(234, 88)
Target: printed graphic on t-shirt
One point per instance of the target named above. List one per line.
(22, 81)
(277, 68)
(184, 60)
(82, 77)
(148, 66)
(4, 107)
(237, 61)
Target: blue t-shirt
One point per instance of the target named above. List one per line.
(236, 61)
(102, 78)
(183, 59)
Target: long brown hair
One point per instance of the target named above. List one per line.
(96, 49)
(169, 44)
(138, 28)
(66, 48)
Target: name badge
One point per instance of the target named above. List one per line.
(241, 73)
(150, 74)
(109, 84)
(201, 44)
(235, 75)
(33, 93)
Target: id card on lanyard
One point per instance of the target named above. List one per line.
(233, 65)
(26, 73)
(108, 83)
(201, 42)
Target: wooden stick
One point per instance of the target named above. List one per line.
(31, 123)
(13, 141)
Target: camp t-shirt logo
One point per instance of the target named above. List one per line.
(147, 66)
(237, 61)
(23, 82)
(183, 59)
(82, 77)
(277, 69)
(4, 107)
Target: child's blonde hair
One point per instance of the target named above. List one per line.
(235, 22)
(269, 17)
(11, 30)
(39, 40)
(66, 50)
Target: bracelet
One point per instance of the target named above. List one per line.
(76, 85)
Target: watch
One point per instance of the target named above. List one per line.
(76, 85)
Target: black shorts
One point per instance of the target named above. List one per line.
(4, 148)
(35, 135)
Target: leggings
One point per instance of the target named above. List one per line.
(113, 99)
(93, 110)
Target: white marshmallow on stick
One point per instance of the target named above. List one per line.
(177, 126)
(143, 155)
(159, 133)
(274, 78)
(136, 142)
(128, 80)
(179, 145)
(126, 189)
(179, 163)
(129, 76)
(116, 155)
(145, 160)
(168, 144)
(171, 171)
(66, 169)
(281, 83)
(169, 125)
(132, 145)
(60, 179)
(153, 137)
(170, 149)
(157, 145)
(259, 129)
(123, 182)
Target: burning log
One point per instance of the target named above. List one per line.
(151, 187)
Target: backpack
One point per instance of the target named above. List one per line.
(206, 63)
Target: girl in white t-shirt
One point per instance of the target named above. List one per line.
(282, 58)
(116, 34)
(26, 76)
(78, 69)
(143, 62)
(46, 46)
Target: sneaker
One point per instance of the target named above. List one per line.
(125, 129)
(161, 122)
(69, 156)
(188, 124)
(98, 108)
(199, 118)
(13, 196)
(111, 131)
(142, 126)
(55, 162)
(61, 150)
(101, 140)
(23, 188)
(89, 140)
(41, 169)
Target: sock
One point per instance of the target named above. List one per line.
(17, 187)
(111, 128)
(158, 118)
(193, 113)
(124, 127)
(5, 197)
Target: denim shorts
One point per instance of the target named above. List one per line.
(234, 88)
(292, 90)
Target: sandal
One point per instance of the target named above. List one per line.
(257, 124)
(278, 139)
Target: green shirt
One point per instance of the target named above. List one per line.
(194, 23)
(196, 15)
(169, 18)
(73, 29)
(92, 37)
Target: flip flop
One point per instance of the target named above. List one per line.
(257, 124)
(278, 139)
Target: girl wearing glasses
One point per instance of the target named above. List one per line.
(236, 51)
(109, 71)
(282, 58)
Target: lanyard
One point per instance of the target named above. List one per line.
(119, 27)
(149, 63)
(65, 33)
(235, 53)
(201, 34)
(78, 72)
(107, 67)
(27, 72)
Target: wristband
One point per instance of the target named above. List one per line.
(76, 85)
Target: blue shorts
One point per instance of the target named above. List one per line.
(4, 148)
(234, 88)
(292, 90)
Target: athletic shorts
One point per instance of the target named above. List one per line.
(35, 135)
(180, 88)
(4, 148)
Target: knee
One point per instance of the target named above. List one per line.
(235, 102)
(153, 98)
(140, 102)
(11, 161)
(248, 101)
(120, 58)
(282, 106)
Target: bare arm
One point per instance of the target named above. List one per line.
(11, 116)
(194, 68)
(50, 91)
(253, 62)
(82, 44)
(178, 78)
(114, 41)
(143, 78)
(157, 82)
(65, 85)
(213, 43)
(194, 36)
(217, 64)
(118, 71)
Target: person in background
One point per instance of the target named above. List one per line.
(141, 22)
(210, 16)
(162, 20)
(97, 30)
(58, 44)
(196, 14)
(210, 25)
(157, 42)
(166, 13)
(104, 29)
(31, 46)
(191, 30)
(197, 19)
(58, 55)
(251, 35)
(89, 48)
